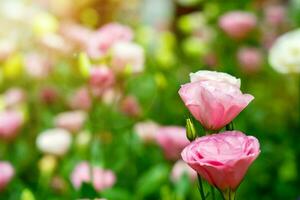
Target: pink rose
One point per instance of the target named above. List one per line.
(71, 121)
(172, 140)
(103, 39)
(6, 174)
(102, 179)
(179, 169)
(81, 99)
(101, 78)
(146, 130)
(214, 103)
(127, 56)
(237, 24)
(222, 159)
(250, 59)
(10, 124)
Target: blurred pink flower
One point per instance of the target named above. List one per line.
(81, 99)
(130, 106)
(103, 39)
(127, 56)
(71, 121)
(237, 24)
(101, 78)
(77, 34)
(6, 174)
(7, 47)
(102, 179)
(10, 124)
(48, 95)
(14, 97)
(250, 59)
(214, 103)
(146, 130)
(172, 139)
(37, 66)
(275, 14)
(179, 169)
(111, 96)
(222, 159)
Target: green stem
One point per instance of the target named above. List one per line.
(201, 190)
(228, 194)
(212, 190)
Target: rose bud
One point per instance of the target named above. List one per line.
(214, 103)
(127, 57)
(103, 39)
(172, 140)
(71, 121)
(130, 106)
(48, 95)
(6, 174)
(237, 24)
(10, 124)
(250, 59)
(101, 179)
(146, 130)
(54, 141)
(101, 78)
(179, 169)
(81, 99)
(222, 159)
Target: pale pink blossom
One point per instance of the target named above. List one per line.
(275, 14)
(146, 130)
(101, 178)
(105, 37)
(6, 174)
(37, 66)
(10, 124)
(172, 139)
(14, 97)
(237, 24)
(71, 120)
(250, 59)
(179, 169)
(127, 56)
(222, 159)
(101, 78)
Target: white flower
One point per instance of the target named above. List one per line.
(284, 55)
(146, 130)
(128, 54)
(205, 75)
(54, 141)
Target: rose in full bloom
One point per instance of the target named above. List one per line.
(71, 121)
(179, 169)
(172, 140)
(222, 159)
(146, 130)
(237, 24)
(6, 174)
(127, 56)
(284, 55)
(104, 38)
(214, 100)
(102, 178)
(55, 141)
(10, 124)
(250, 59)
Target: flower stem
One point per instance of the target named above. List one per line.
(201, 190)
(228, 194)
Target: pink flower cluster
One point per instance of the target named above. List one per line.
(222, 159)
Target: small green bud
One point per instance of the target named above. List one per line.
(27, 195)
(84, 64)
(190, 130)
